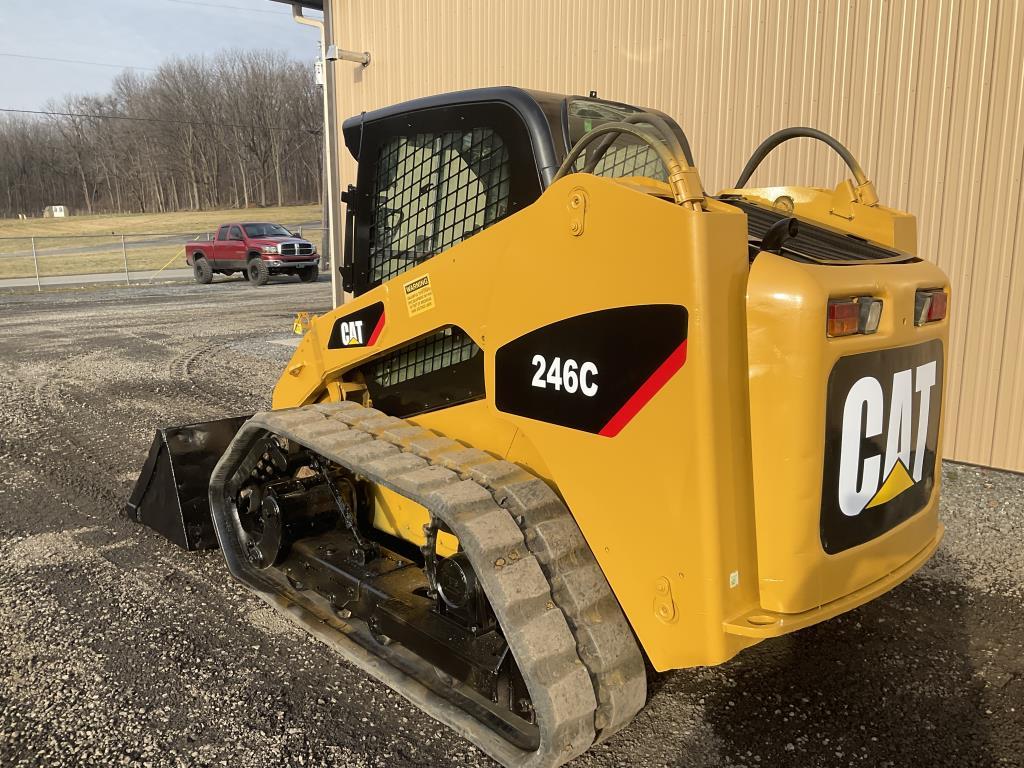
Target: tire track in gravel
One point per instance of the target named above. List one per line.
(52, 415)
(931, 674)
(184, 368)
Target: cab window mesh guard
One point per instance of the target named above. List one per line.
(444, 369)
(626, 157)
(431, 191)
(434, 353)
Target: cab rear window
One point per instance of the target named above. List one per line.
(627, 156)
(433, 190)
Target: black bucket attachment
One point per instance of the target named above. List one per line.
(172, 494)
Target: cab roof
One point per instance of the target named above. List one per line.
(539, 110)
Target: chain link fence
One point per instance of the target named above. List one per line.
(128, 259)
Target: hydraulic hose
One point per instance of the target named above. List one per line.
(780, 137)
(682, 177)
(680, 145)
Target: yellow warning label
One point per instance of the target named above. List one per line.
(419, 296)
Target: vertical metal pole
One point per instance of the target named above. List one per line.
(333, 198)
(124, 255)
(35, 259)
(325, 213)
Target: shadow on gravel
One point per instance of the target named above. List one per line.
(890, 684)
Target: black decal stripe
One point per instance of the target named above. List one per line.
(635, 351)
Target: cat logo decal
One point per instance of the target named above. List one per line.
(881, 438)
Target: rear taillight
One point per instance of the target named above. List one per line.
(860, 314)
(929, 306)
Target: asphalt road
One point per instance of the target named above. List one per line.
(118, 649)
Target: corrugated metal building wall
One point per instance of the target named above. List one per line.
(929, 95)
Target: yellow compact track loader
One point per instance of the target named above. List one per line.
(580, 412)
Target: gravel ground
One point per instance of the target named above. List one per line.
(118, 649)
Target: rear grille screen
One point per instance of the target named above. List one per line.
(430, 192)
(815, 244)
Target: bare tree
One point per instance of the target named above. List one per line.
(241, 129)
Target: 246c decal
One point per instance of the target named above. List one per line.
(569, 375)
(881, 437)
(592, 372)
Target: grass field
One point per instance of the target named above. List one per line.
(80, 245)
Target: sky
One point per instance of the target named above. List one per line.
(139, 33)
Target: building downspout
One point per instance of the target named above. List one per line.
(329, 54)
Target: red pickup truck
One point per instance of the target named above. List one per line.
(257, 250)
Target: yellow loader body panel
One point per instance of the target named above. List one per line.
(701, 497)
(789, 371)
(579, 411)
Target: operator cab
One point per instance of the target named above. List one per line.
(435, 171)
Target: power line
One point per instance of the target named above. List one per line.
(205, 124)
(225, 7)
(76, 61)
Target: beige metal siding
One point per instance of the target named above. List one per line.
(929, 95)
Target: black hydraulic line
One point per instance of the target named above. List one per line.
(615, 128)
(780, 137)
(674, 164)
(661, 125)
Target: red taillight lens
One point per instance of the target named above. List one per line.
(929, 306)
(843, 318)
(937, 311)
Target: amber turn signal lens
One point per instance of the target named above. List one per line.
(843, 318)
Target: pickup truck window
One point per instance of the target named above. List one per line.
(236, 233)
(266, 230)
(222, 233)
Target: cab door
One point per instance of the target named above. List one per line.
(219, 251)
(234, 249)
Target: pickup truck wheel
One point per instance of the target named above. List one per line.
(202, 270)
(308, 274)
(257, 272)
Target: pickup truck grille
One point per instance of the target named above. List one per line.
(296, 249)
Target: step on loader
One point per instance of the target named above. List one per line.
(580, 413)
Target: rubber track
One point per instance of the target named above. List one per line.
(503, 516)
